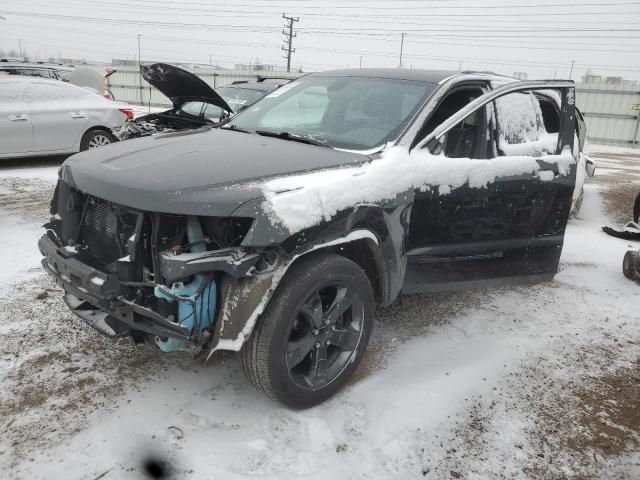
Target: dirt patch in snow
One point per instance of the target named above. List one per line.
(28, 198)
(589, 425)
(59, 370)
(620, 183)
(619, 201)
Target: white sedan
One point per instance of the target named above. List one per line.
(50, 117)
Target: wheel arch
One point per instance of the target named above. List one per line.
(365, 252)
(239, 318)
(93, 128)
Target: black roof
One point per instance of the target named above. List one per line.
(397, 73)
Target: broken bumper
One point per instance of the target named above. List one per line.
(94, 297)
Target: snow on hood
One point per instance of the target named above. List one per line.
(301, 201)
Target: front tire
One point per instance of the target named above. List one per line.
(95, 139)
(314, 333)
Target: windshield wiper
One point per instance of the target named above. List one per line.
(293, 137)
(235, 129)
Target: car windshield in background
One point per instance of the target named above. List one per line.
(237, 98)
(343, 112)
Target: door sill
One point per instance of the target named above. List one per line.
(478, 284)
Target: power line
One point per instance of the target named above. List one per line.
(361, 32)
(278, 6)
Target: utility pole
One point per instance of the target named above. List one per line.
(20, 47)
(360, 61)
(571, 71)
(401, 48)
(288, 37)
(139, 71)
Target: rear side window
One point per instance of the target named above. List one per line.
(521, 126)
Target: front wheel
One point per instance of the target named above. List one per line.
(96, 139)
(314, 333)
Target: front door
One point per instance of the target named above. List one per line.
(506, 223)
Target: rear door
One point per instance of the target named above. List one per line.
(513, 226)
(59, 113)
(15, 122)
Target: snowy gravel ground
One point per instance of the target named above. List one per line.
(537, 382)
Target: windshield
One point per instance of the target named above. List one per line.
(356, 113)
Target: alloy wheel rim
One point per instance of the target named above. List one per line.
(99, 141)
(325, 335)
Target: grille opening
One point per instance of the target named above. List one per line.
(105, 230)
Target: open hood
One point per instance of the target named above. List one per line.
(181, 86)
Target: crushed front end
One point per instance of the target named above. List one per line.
(170, 280)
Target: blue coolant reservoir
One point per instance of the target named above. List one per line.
(196, 299)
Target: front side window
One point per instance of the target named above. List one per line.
(344, 112)
(521, 126)
(468, 138)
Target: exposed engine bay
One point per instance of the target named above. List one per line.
(170, 121)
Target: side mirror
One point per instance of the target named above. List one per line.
(590, 166)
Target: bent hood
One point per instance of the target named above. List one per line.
(180, 86)
(200, 172)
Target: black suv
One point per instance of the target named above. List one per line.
(280, 233)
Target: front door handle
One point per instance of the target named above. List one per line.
(18, 118)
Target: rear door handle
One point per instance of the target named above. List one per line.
(77, 115)
(19, 118)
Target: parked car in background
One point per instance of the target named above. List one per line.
(49, 117)
(279, 233)
(195, 103)
(93, 78)
(53, 71)
(240, 95)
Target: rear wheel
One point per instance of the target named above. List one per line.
(628, 263)
(314, 332)
(96, 139)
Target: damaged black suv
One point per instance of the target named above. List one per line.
(280, 233)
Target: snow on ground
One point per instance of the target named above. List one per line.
(596, 148)
(516, 382)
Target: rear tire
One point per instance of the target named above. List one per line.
(95, 139)
(314, 332)
(629, 263)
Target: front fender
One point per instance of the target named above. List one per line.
(384, 229)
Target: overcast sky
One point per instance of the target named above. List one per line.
(540, 37)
